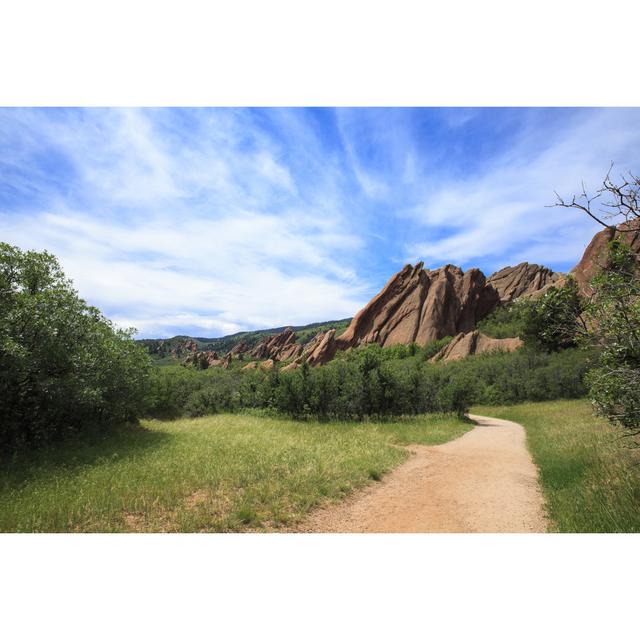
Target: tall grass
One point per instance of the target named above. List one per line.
(217, 473)
(589, 473)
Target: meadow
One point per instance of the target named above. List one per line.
(589, 470)
(217, 473)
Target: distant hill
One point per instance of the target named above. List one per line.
(161, 348)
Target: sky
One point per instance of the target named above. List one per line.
(205, 222)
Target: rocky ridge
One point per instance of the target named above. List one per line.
(282, 346)
(416, 305)
(419, 305)
(239, 349)
(202, 359)
(595, 255)
(185, 347)
(523, 281)
(474, 343)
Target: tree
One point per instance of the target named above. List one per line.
(615, 313)
(63, 365)
(614, 308)
(554, 322)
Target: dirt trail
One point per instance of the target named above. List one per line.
(484, 481)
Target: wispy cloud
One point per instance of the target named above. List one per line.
(209, 234)
(504, 211)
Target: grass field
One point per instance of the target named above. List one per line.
(218, 473)
(590, 475)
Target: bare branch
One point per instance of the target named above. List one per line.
(623, 201)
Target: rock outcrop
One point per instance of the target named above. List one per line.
(523, 281)
(239, 349)
(596, 254)
(266, 365)
(419, 305)
(184, 347)
(322, 348)
(473, 343)
(202, 359)
(282, 346)
(206, 359)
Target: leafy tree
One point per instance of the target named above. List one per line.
(63, 365)
(615, 313)
(507, 320)
(614, 308)
(554, 321)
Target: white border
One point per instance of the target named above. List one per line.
(310, 53)
(335, 52)
(318, 586)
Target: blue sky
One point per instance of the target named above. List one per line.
(210, 221)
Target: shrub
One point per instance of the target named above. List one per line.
(367, 383)
(202, 402)
(507, 320)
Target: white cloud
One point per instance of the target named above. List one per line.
(186, 233)
(237, 272)
(504, 211)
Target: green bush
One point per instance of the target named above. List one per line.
(368, 383)
(526, 375)
(508, 320)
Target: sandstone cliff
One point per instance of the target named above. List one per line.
(419, 305)
(266, 365)
(523, 281)
(282, 346)
(186, 346)
(322, 348)
(239, 349)
(472, 343)
(595, 255)
(202, 359)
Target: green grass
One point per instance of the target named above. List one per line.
(217, 473)
(590, 474)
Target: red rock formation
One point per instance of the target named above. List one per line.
(265, 366)
(282, 346)
(239, 349)
(322, 349)
(473, 343)
(596, 254)
(418, 305)
(184, 347)
(523, 281)
(202, 359)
